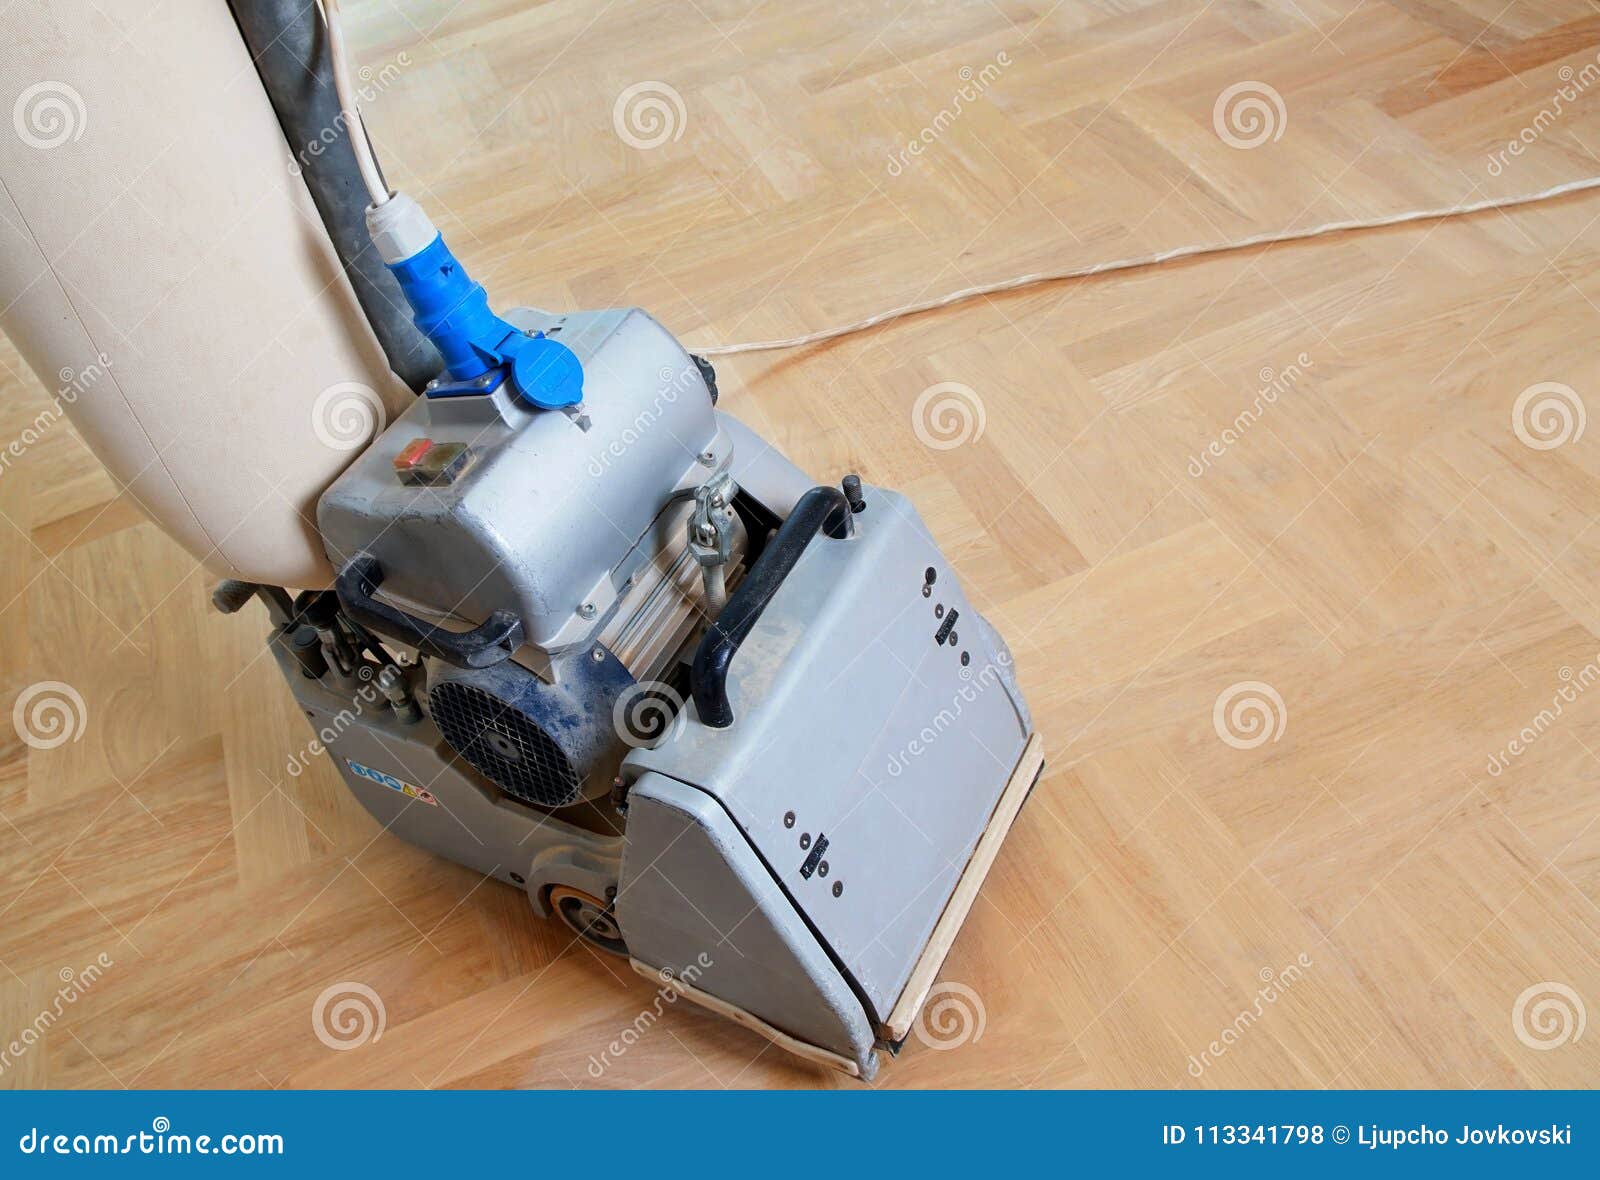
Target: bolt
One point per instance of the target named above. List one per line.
(587, 610)
(486, 380)
(708, 457)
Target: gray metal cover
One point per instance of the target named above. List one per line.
(848, 714)
(553, 501)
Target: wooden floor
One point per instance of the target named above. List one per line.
(1304, 588)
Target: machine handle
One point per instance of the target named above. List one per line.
(822, 508)
(482, 647)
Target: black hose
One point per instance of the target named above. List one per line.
(287, 40)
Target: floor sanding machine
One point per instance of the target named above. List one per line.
(568, 623)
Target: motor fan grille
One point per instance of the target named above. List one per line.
(505, 744)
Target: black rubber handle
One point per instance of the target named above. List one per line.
(484, 646)
(821, 508)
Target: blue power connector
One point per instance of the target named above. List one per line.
(453, 311)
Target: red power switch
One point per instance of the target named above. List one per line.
(412, 454)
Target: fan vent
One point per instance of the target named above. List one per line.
(505, 744)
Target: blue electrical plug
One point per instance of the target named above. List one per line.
(452, 310)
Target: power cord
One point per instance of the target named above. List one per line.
(379, 191)
(1147, 260)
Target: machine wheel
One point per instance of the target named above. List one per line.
(589, 918)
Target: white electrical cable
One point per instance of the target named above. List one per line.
(355, 130)
(380, 194)
(1136, 263)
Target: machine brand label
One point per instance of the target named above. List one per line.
(410, 790)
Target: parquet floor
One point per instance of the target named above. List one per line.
(1306, 478)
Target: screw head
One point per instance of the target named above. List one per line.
(788, 819)
(838, 888)
(598, 655)
(805, 839)
(953, 638)
(927, 591)
(519, 878)
(938, 610)
(707, 458)
(822, 868)
(966, 658)
(587, 610)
